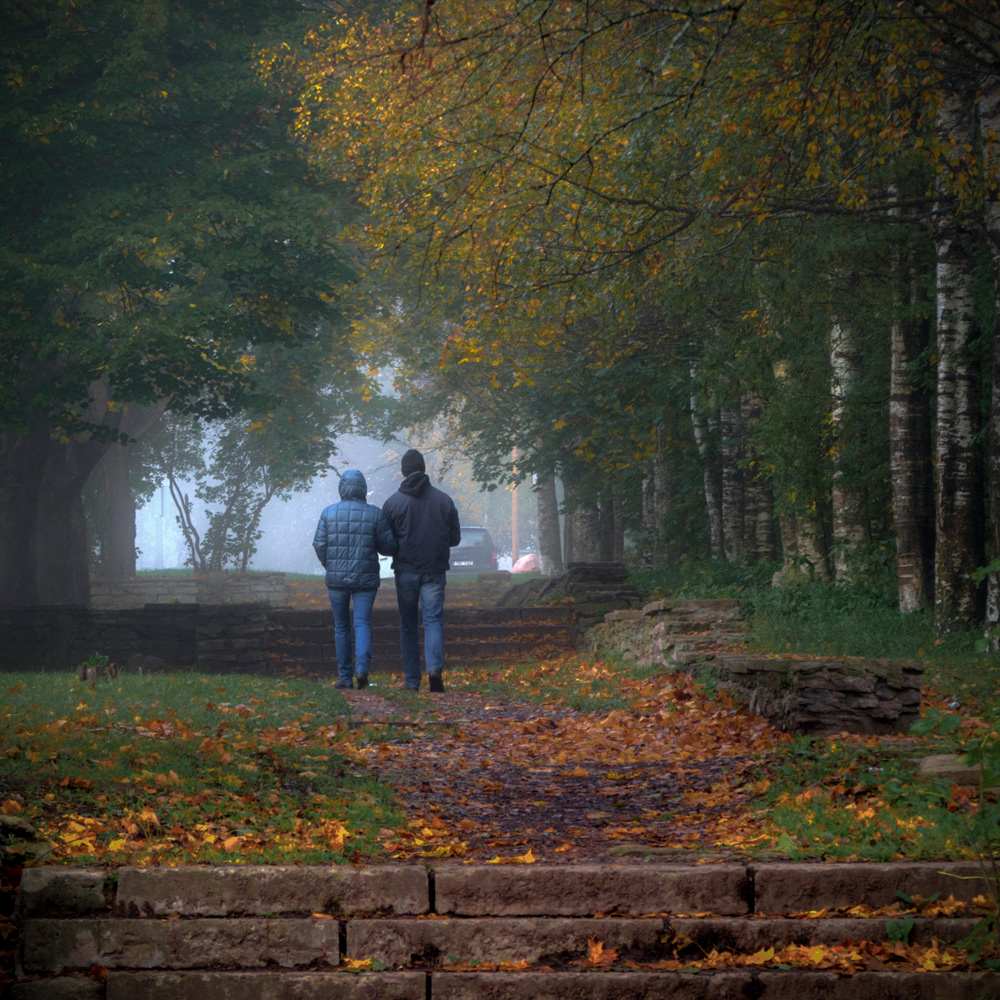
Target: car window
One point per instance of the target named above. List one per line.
(475, 536)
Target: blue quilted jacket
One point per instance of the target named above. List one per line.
(351, 535)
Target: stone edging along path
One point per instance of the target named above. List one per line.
(471, 931)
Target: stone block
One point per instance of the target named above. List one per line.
(52, 946)
(949, 767)
(253, 890)
(583, 890)
(53, 891)
(791, 888)
(407, 941)
(587, 985)
(332, 985)
(62, 988)
(738, 934)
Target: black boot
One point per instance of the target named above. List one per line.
(435, 683)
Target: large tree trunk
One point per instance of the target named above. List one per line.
(549, 543)
(586, 534)
(911, 466)
(803, 550)
(710, 473)
(733, 499)
(22, 465)
(117, 538)
(608, 528)
(43, 537)
(959, 509)
(62, 558)
(851, 530)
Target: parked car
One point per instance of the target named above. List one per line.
(475, 553)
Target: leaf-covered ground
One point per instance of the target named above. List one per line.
(664, 769)
(565, 760)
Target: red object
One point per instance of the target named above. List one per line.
(526, 563)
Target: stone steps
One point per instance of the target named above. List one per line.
(268, 932)
(303, 640)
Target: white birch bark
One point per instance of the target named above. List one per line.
(733, 540)
(959, 506)
(911, 468)
(549, 540)
(710, 471)
(850, 527)
(989, 117)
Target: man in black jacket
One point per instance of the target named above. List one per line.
(425, 523)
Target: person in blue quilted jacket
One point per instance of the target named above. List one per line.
(349, 538)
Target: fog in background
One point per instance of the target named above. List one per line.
(287, 526)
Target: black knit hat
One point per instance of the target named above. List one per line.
(412, 462)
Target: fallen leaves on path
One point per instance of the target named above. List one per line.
(666, 774)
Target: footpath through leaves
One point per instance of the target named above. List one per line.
(488, 778)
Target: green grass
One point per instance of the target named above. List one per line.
(823, 618)
(576, 682)
(147, 769)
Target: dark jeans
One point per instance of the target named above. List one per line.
(340, 603)
(426, 591)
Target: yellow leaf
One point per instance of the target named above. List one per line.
(357, 963)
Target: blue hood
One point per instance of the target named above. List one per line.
(353, 486)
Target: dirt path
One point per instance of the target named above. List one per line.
(482, 778)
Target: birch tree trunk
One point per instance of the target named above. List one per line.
(959, 507)
(710, 472)
(989, 117)
(657, 497)
(851, 530)
(803, 550)
(549, 542)
(911, 467)
(733, 540)
(618, 545)
(758, 523)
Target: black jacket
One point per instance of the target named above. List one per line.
(425, 523)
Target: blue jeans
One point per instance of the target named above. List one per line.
(425, 590)
(340, 603)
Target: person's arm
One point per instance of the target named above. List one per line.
(385, 540)
(454, 529)
(320, 540)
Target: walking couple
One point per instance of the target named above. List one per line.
(417, 526)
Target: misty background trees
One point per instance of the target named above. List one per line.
(713, 283)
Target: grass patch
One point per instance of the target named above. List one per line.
(703, 579)
(572, 681)
(853, 798)
(823, 618)
(188, 768)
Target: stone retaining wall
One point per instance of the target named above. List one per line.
(214, 638)
(827, 695)
(210, 588)
(818, 696)
(218, 933)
